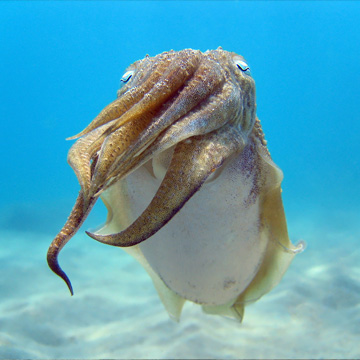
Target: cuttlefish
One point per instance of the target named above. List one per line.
(182, 165)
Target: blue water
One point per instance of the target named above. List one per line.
(61, 63)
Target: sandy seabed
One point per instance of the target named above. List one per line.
(116, 313)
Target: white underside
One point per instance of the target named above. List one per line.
(216, 246)
(211, 250)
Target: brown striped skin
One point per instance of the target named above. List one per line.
(169, 99)
(72, 225)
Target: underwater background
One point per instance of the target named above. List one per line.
(61, 63)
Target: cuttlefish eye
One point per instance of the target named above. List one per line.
(127, 76)
(243, 66)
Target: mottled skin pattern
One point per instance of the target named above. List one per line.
(202, 104)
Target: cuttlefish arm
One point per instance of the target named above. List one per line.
(76, 218)
(205, 154)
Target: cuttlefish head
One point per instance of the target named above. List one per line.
(197, 108)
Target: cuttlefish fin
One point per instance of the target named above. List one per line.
(280, 251)
(273, 231)
(77, 216)
(193, 161)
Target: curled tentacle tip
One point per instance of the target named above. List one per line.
(61, 274)
(95, 236)
(74, 137)
(68, 283)
(105, 239)
(55, 267)
(71, 137)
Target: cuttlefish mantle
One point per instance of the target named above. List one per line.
(182, 165)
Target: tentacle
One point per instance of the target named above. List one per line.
(180, 69)
(112, 111)
(148, 77)
(113, 146)
(204, 155)
(205, 81)
(140, 115)
(82, 152)
(77, 216)
(209, 117)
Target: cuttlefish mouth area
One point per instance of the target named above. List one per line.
(199, 104)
